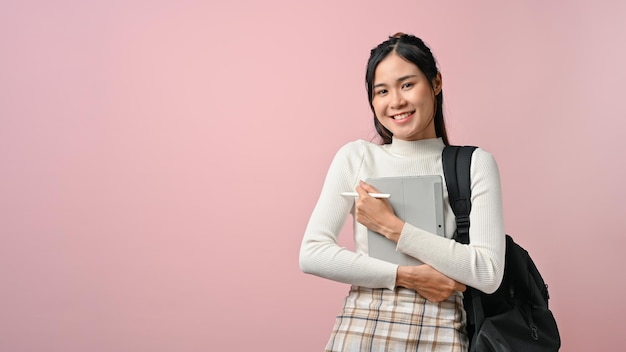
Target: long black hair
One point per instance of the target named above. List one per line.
(412, 49)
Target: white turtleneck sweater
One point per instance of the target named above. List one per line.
(479, 264)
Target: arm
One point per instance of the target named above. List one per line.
(319, 253)
(378, 215)
(481, 263)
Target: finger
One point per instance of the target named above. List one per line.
(368, 188)
(361, 191)
(460, 287)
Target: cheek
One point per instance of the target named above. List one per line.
(427, 99)
(378, 107)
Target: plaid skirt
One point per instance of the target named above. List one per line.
(399, 320)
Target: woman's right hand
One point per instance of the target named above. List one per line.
(428, 282)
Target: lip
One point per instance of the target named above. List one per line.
(406, 119)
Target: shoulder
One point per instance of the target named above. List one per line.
(484, 166)
(351, 155)
(483, 158)
(356, 149)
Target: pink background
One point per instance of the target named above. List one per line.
(160, 159)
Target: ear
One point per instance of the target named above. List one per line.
(437, 83)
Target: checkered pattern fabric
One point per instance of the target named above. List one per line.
(398, 320)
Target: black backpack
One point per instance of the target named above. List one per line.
(515, 317)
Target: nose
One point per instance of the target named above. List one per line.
(397, 100)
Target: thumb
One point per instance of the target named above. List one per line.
(368, 188)
(361, 190)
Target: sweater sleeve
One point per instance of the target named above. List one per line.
(481, 263)
(319, 253)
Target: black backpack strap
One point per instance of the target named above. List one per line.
(456, 169)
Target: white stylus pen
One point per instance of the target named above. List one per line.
(375, 195)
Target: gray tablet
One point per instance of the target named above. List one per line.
(418, 200)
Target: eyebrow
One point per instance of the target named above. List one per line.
(397, 80)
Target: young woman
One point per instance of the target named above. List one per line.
(391, 307)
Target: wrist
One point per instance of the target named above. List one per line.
(394, 230)
(404, 276)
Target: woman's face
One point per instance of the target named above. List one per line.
(404, 101)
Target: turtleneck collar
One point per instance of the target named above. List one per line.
(422, 146)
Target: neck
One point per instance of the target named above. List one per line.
(429, 145)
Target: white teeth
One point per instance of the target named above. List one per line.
(401, 116)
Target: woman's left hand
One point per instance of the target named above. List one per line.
(376, 213)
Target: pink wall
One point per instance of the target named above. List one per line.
(160, 160)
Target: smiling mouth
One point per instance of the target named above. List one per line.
(402, 116)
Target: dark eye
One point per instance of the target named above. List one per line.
(381, 92)
(407, 85)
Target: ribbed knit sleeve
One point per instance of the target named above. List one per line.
(319, 253)
(481, 263)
